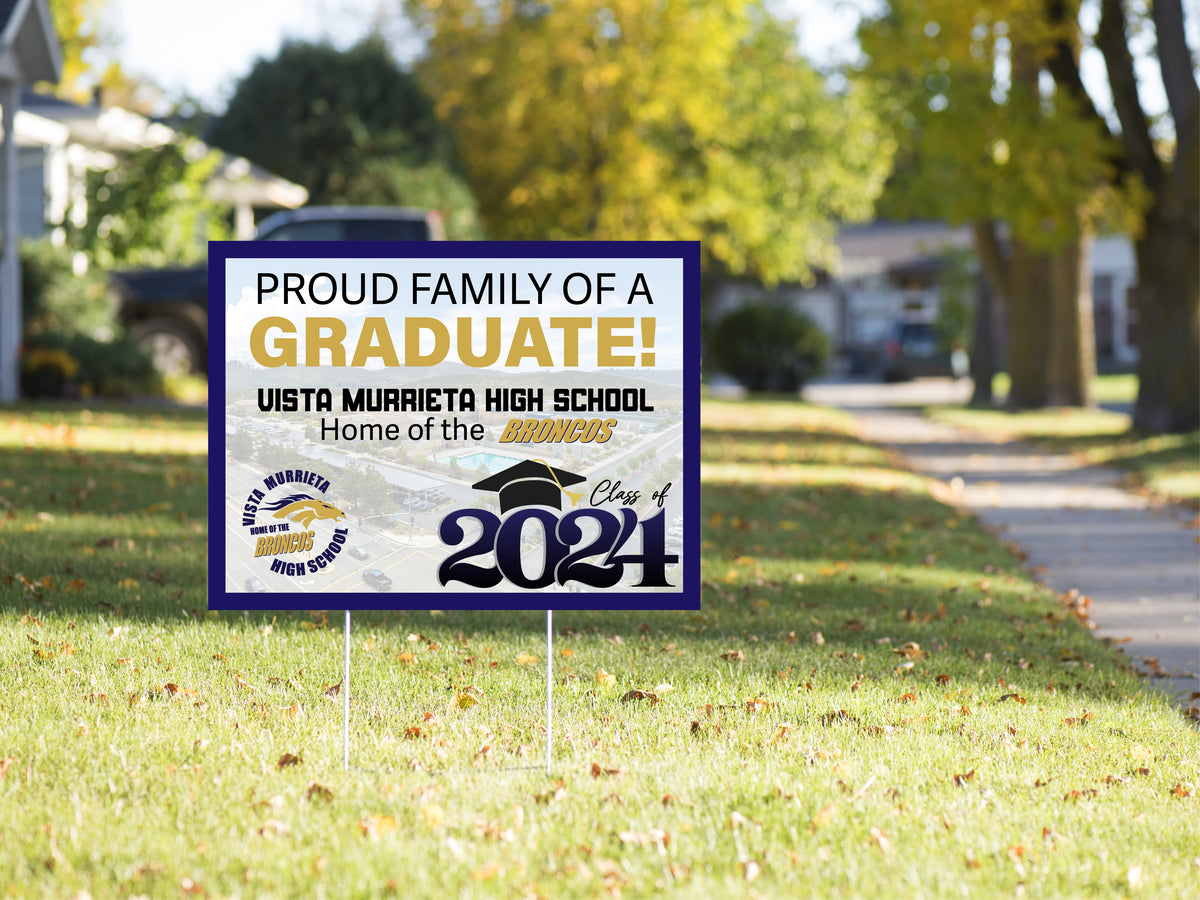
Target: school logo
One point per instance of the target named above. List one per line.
(303, 508)
(293, 530)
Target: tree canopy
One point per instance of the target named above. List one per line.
(1000, 128)
(349, 125)
(619, 119)
(152, 209)
(77, 25)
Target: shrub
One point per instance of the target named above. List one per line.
(54, 364)
(768, 347)
(55, 299)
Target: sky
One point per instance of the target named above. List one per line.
(225, 39)
(223, 43)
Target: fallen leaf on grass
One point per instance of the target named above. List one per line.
(734, 656)
(456, 850)
(880, 839)
(738, 821)
(557, 795)
(465, 700)
(333, 690)
(1016, 698)
(295, 711)
(910, 650)
(1181, 790)
(825, 816)
(487, 872)
(641, 839)
(751, 870)
(1137, 751)
(288, 759)
(434, 815)
(943, 680)
(598, 770)
(526, 659)
(838, 715)
(375, 827)
(5, 764)
(603, 677)
(273, 827)
(316, 791)
(961, 780)
(635, 694)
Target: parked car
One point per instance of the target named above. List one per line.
(914, 349)
(166, 310)
(377, 579)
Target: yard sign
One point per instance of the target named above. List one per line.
(454, 425)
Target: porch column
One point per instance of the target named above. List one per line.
(10, 270)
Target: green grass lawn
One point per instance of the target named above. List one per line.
(1167, 466)
(1105, 388)
(875, 700)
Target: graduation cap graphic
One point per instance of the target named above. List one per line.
(532, 482)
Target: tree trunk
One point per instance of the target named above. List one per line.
(983, 357)
(1029, 322)
(1072, 345)
(1168, 304)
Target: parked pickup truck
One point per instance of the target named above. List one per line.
(166, 310)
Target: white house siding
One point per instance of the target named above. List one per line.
(1114, 274)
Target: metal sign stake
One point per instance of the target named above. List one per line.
(346, 701)
(549, 683)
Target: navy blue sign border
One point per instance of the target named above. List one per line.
(497, 599)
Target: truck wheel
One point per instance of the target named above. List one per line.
(174, 347)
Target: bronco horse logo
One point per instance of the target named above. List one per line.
(303, 508)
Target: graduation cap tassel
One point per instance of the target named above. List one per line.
(575, 497)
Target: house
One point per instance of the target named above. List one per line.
(59, 141)
(1114, 277)
(890, 268)
(29, 52)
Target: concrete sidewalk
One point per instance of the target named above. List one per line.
(1137, 561)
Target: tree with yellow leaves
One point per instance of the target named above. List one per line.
(675, 120)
